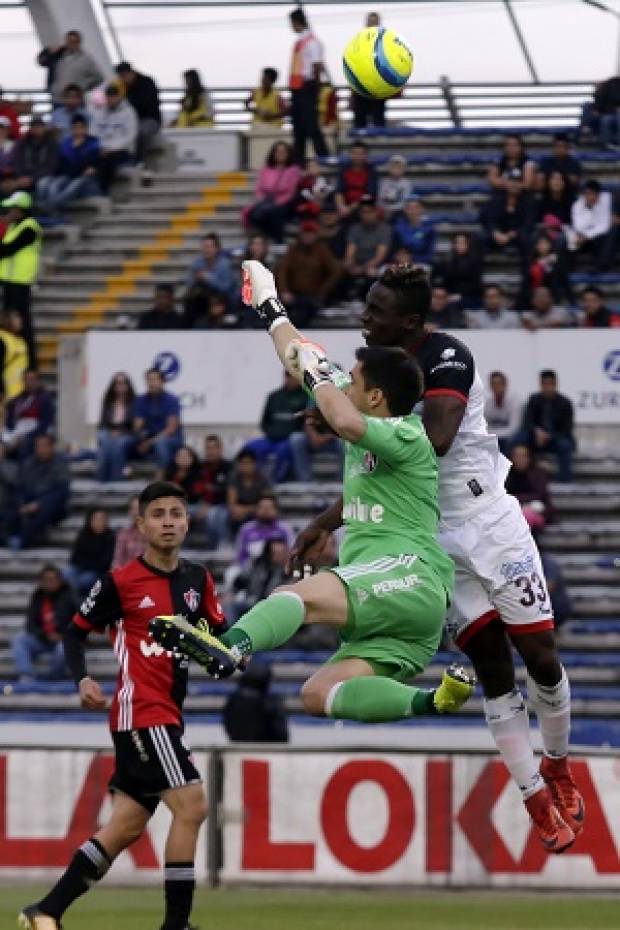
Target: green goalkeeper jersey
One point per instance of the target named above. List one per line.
(390, 503)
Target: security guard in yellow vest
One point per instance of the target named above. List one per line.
(13, 356)
(20, 250)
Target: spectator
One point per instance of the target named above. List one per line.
(34, 158)
(196, 111)
(251, 713)
(217, 315)
(445, 312)
(184, 470)
(415, 231)
(607, 108)
(494, 313)
(6, 160)
(13, 356)
(594, 312)
(506, 218)
(50, 610)
(114, 435)
(10, 111)
(258, 249)
(307, 275)
(560, 161)
(548, 424)
(42, 496)
(356, 180)
(142, 93)
(611, 247)
(548, 268)
(163, 313)
(258, 579)
(591, 221)
(157, 421)
(502, 411)
(265, 103)
(8, 490)
(247, 484)
(279, 420)
(69, 64)
(29, 415)
(212, 482)
(528, 484)
(544, 313)
(129, 540)
(306, 443)
(557, 198)
(92, 552)
(265, 527)
(77, 171)
(305, 77)
(116, 127)
(515, 170)
(275, 193)
(367, 247)
(461, 272)
(332, 230)
(394, 189)
(560, 598)
(314, 190)
(210, 273)
(72, 105)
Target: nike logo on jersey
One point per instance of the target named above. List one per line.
(146, 602)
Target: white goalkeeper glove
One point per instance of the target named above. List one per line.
(259, 291)
(307, 361)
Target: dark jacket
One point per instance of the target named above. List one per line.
(155, 319)
(528, 486)
(37, 405)
(279, 418)
(73, 160)
(44, 481)
(93, 551)
(556, 412)
(144, 97)
(35, 160)
(65, 605)
(251, 714)
(607, 97)
(495, 215)
(462, 274)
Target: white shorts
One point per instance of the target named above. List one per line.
(498, 574)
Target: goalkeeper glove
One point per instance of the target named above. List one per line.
(259, 291)
(307, 360)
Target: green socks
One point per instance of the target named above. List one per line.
(267, 625)
(372, 699)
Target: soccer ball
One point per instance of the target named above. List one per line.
(377, 62)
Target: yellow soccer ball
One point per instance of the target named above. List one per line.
(377, 62)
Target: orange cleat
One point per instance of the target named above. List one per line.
(554, 833)
(566, 797)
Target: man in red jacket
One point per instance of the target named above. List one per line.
(153, 763)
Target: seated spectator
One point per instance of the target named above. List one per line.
(560, 161)
(548, 424)
(560, 598)
(607, 109)
(544, 314)
(356, 180)
(69, 64)
(92, 552)
(556, 199)
(157, 421)
(307, 275)
(591, 221)
(263, 528)
(210, 273)
(332, 230)
(528, 484)
(445, 312)
(8, 489)
(34, 158)
(594, 312)
(314, 190)
(368, 242)
(251, 713)
(214, 474)
(514, 170)
(6, 161)
(196, 110)
(246, 486)
(10, 111)
(307, 442)
(415, 231)
(279, 420)
(217, 315)
(502, 411)
(115, 433)
(184, 470)
(116, 127)
(42, 495)
(265, 103)
(548, 268)
(163, 313)
(13, 356)
(394, 188)
(130, 542)
(494, 313)
(258, 249)
(275, 194)
(461, 272)
(72, 105)
(258, 579)
(77, 171)
(28, 415)
(50, 611)
(507, 219)
(142, 93)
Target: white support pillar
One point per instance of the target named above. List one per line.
(52, 19)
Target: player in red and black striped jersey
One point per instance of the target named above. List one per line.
(152, 761)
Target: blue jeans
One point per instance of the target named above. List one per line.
(278, 449)
(26, 648)
(80, 579)
(112, 454)
(562, 446)
(302, 453)
(610, 128)
(164, 449)
(55, 192)
(215, 524)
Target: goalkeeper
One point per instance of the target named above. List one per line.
(389, 594)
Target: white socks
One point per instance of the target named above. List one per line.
(508, 722)
(552, 707)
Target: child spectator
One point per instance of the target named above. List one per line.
(76, 174)
(502, 411)
(116, 127)
(544, 314)
(92, 552)
(246, 486)
(265, 527)
(265, 103)
(461, 272)
(415, 231)
(275, 193)
(394, 188)
(196, 110)
(114, 435)
(49, 613)
(307, 275)
(548, 268)
(130, 542)
(72, 105)
(356, 180)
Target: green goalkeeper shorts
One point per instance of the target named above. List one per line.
(397, 607)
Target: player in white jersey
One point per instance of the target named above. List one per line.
(501, 597)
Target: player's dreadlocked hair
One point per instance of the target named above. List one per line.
(411, 287)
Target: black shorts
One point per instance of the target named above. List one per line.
(150, 761)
